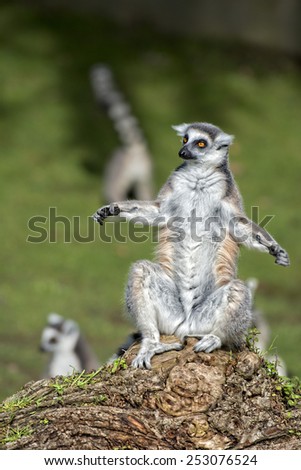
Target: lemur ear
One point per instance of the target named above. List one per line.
(71, 328)
(54, 319)
(224, 140)
(180, 129)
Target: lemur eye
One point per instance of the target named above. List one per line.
(202, 144)
(185, 140)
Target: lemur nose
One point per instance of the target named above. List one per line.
(182, 152)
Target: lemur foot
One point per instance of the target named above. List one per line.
(104, 212)
(280, 254)
(147, 351)
(208, 343)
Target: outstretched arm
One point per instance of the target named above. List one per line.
(147, 211)
(245, 231)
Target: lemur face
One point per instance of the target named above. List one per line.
(59, 334)
(203, 142)
(50, 340)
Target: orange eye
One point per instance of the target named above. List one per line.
(185, 140)
(202, 144)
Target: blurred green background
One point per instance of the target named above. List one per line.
(54, 142)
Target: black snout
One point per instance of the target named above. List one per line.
(186, 154)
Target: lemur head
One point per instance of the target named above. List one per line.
(59, 334)
(203, 143)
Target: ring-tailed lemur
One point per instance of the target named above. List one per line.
(264, 336)
(192, 289)
(129, 171)
(69, 350)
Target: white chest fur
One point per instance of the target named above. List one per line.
(196, 189)
(64, 363)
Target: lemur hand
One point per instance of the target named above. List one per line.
(280, 254)
(104, 212)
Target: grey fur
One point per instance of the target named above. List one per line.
(69, 350)
(130, 167)
(192, 289)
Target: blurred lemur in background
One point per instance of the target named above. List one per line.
(264, 335)
(129, 171)
(69, 350)
(192, 289)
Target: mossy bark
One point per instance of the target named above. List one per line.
(188, 400)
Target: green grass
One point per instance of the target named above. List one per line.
(54, 143)
(15, 434)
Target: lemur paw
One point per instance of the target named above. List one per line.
(143, 358)
(282, 258)
(104, 212)
(280, 254)
(208, 343)
(143, 361)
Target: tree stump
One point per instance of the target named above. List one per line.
(188, 400)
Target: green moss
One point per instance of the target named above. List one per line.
(13, 434)
(290, 389)
(252, 339)
(77, 380)
(100, 399)
(44, 421)
(10, 406)
(118, 364)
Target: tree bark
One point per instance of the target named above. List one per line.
(188, 400)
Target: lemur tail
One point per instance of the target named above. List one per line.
(85, 354)
(107, 95)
